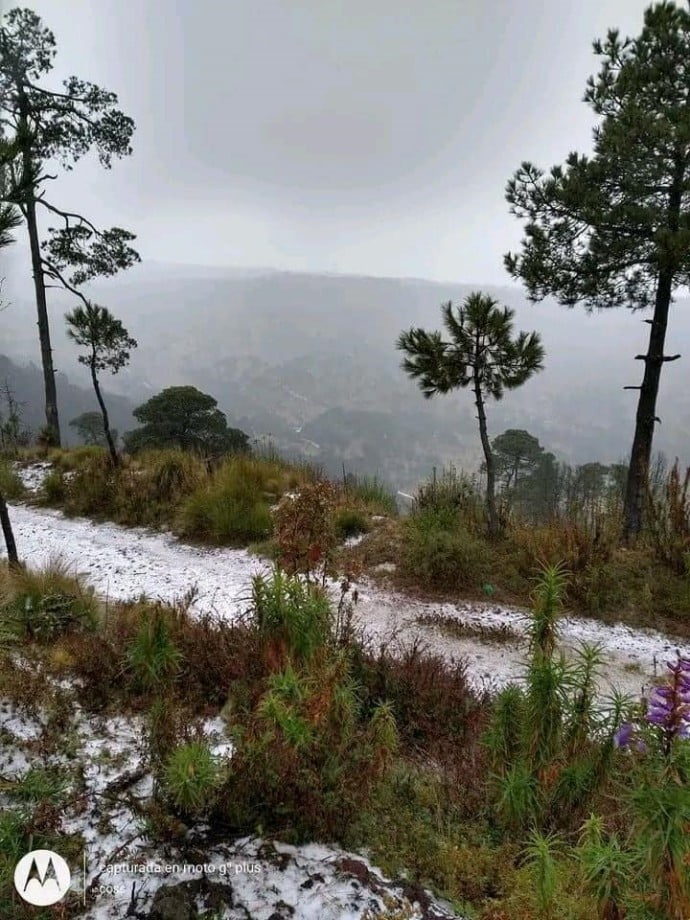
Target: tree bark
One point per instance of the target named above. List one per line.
(52, 420)
(8, 534)
(641, 453)
(492, 514)
(28, 206)
(106, 422)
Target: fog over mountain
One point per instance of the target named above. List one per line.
(310, 360)
(370, 140)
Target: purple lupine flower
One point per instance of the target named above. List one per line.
(623, 736)
(669, 705)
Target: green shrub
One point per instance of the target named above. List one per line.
(54, 488)
(191, 776)
(265, 549)
(601, 588)
(93, 488)
(350, 522)
(232, 508)
(452, 491)
(165, 723)
(232, 519)
(370, 492)
(41, 783)
(11, 486)
(291, 613)
(305, 763)
(172, 474)
(438, 552)
(45, 603)
(76, 457)
(153, 656)
(549, 744)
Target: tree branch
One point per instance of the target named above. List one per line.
(53, 272)
(54, 94)
(66, 215)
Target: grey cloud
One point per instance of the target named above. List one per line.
(370, 137)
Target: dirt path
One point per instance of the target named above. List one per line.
(122, 563)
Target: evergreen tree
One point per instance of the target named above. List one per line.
(482, 354)
(49, 127)
(516, 452)
(9, 221)
(186, 418)
(10, 218)
(541, 490)
(89, 427)
(613, 229)
(108, 345)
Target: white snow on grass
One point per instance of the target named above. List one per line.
(124, 563)
(253, 878)
(33, 474)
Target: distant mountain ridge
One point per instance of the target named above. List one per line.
(26, 383)
(282, 351)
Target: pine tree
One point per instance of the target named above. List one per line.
(46, 126)
(481, 354)
(108, 345)
(9, 221)
(613, 229)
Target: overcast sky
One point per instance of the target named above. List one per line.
(373, 136)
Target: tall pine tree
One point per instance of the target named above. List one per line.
(48, 127)
(480, 354)
(9, 221)
(613, 229)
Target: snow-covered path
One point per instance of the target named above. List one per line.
(122, 563)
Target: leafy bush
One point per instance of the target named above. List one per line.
(93, 487)
(53, 489)
(305, 763)
(191, 775)
(42, 604)
(438, 552)
(224, 518)
(451, 491)
(153, 656)
(668, 520)
(293, 616)
(11, 486)
(644, 858)
(233, 507)
(434, 705)
(350, 522)
(370, 492)
(73, 458)
(304, 529)
(549, 744)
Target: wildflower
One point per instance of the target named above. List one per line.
(623, 736)
(669, 704)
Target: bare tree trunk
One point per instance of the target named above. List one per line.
(492, 514)
(27, 205)
(106, 422)
(640, 455)
(8, 534)
(52, 420)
